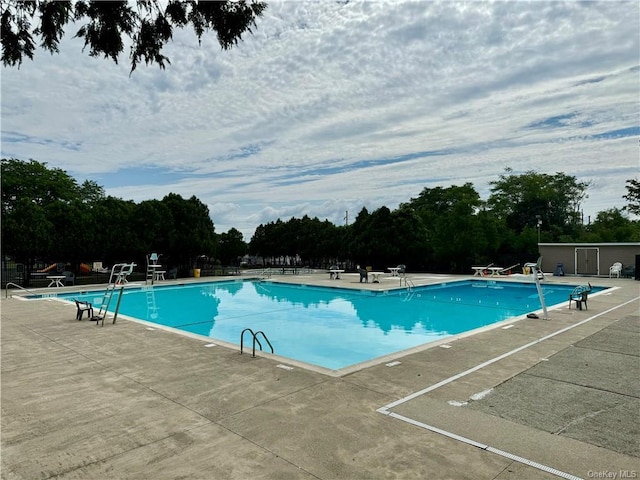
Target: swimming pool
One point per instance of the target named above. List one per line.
(331, 327)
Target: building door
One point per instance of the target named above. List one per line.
(587, 261)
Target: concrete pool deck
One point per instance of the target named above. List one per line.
(532, 399)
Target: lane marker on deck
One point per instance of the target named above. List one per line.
(385, 410)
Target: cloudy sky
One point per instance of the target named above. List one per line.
(329, 107)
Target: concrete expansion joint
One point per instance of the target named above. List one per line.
(590, 387)
(582, 419)
(607, 351)
(385, 410)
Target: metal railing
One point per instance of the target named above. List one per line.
(266, 273)
(407, 283)
(17, 286)
(255, 340)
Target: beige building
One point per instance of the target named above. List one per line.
(590, 258)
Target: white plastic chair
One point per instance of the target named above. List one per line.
(615, 269)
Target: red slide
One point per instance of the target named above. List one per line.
(49, 268)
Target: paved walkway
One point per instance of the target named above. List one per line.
(538, 400)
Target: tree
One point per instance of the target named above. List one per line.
(146, 23)
(358, 237)
(633, 196)
(153, 224)
(30, 192)
(519, 199)
(380, 243)
(26, 234)
(411, 238)
(258, 245)
(91, 192)
(36, 182)
(267, 243)
(612, 226)
(231, 247)
(316, 241)
(193, 232)
(454, 233)
(114, 228)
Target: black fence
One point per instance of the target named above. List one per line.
(16, 274)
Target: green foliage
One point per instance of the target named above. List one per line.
(91, 192)
(114, 231)
(154, 226)
(147, 23)
(632, 196)
(452, 229)
(377, 239)
(35, 182)
(612, 226)
(520, 199)
(31, 194)
(47, 216)
(26, 231)
(231, 247)
(316, 242)
(410, 234)
(192, 231)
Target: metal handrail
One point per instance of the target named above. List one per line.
(15, 285)
(124, 270)
(407, 283)
(255, 340)
(266, 273)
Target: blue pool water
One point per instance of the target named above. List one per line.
(329, 327)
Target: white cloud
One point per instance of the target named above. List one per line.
(330, 107)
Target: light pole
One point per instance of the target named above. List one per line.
(538, 225)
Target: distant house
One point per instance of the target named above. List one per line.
(588, 258)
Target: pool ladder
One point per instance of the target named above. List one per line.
(407, 283)
(15, 285)
(410, 286)
(106, 301)
(266, 273)
(255, 340)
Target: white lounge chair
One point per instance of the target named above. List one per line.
(615, 269)
(507, 270)
(479, 271)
